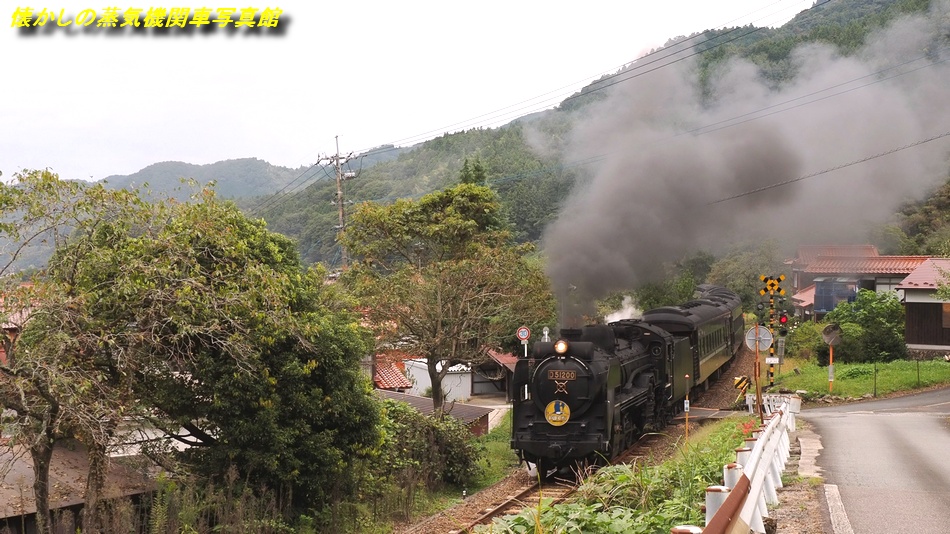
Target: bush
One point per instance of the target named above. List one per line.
(427, 449)
(881, 316)
(851, 349)
(805, 341)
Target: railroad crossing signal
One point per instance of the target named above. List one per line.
(772, 285)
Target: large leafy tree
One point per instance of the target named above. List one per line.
(50, 386)
(228, 338)
(439, 279)
(196, 315)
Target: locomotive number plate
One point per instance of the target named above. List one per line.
(562, 375)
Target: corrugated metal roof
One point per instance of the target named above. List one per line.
(506, 359)
(927, 275)
(67, 479)
(865, 264)
(466, 413)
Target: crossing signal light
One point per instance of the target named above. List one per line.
(783, 319)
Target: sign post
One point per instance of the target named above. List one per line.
(524, 333)
(686, 409)
(758, 338)
(832, 336)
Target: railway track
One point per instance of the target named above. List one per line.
(554, 490)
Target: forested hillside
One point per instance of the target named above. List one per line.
(530, 161)
(525, 160)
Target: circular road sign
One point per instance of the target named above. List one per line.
(524, 333)
(763, 339)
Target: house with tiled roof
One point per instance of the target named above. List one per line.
(926, 317)
(397, 370)
(824, 276)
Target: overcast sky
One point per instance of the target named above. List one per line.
(88, 104)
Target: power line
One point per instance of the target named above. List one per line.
(831, 169)
(272, 199)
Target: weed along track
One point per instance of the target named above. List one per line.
(552, 490)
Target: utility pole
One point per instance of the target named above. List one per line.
(341, 177)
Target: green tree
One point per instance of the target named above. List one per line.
(881, 317)
(473, 173)
(439, 279)
(191, 313)
(424, 451)
(740, 271)
(54, 385)
(230, 339)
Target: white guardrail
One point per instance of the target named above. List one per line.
(750, 484)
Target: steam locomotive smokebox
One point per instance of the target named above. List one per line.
(572, 334)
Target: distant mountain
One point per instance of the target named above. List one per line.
(234, 178)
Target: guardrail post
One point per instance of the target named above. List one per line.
(730, 474)
(742, 455)
(715, 497)
(686, 529)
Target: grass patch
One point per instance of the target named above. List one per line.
(858, 379)
(498, 458)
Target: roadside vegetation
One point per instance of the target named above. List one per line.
(871, 357)
(859, 379)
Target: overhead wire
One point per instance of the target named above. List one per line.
(830, 169)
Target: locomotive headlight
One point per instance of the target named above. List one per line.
(560, 346)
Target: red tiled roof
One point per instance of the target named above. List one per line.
(927, 275)
(865, 264)
(507, 359)
(805, 297)
(809, 253)
(391, 376)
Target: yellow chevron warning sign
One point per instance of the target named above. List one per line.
(741, 382)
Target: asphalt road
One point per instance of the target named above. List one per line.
(890, 461)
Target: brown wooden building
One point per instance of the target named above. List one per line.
(927, 318)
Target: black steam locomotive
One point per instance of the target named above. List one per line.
(591, 393)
